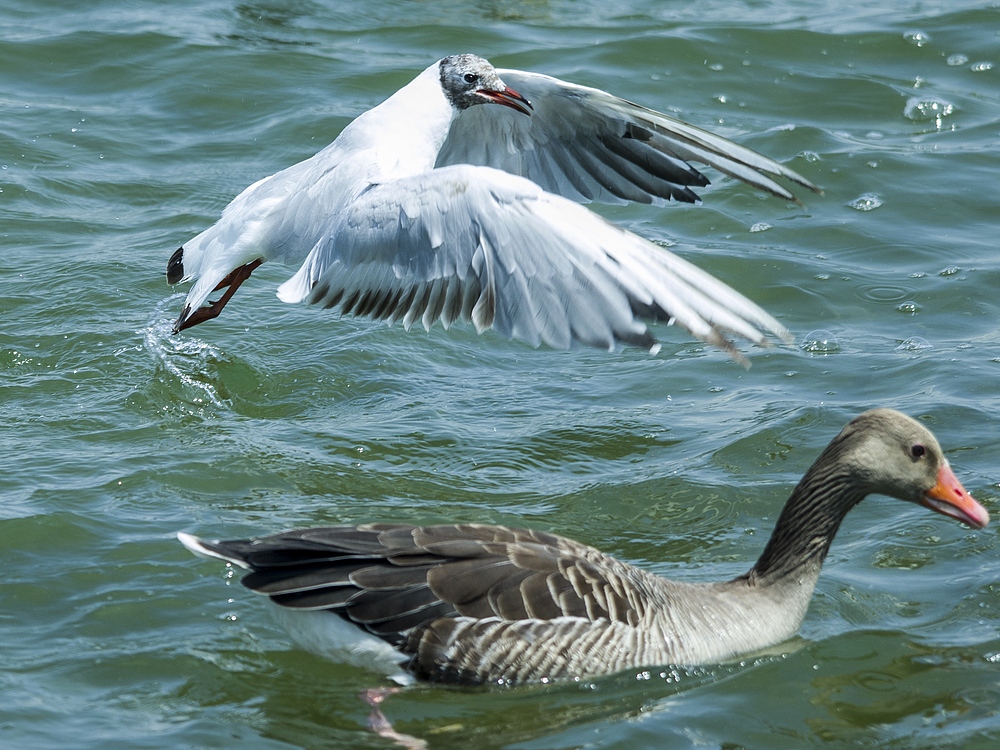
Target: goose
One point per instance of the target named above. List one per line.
(431, 208)
(473, 604)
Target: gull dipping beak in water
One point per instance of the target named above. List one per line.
(429, 207)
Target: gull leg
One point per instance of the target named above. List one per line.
(212, 309)
(382, 726)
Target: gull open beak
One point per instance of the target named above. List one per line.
(508, 98)
(949, 498)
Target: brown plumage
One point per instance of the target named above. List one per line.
(473, 604)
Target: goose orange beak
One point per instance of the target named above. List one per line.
(949, 498)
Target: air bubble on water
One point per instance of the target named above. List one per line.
(917, 38)
(927, 108)
(949, 271)
(914, 344)
(820, 342)
(866, 202)
(957, 59)
(716, 66)
(760, 226)
(909, 307)
(979, 67)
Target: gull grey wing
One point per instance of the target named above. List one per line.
(479, 244)
(586, 144)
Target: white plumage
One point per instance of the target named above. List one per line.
(430, 208)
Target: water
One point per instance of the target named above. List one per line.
(126, 129)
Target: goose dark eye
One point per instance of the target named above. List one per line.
(917, 451)
(471, 78)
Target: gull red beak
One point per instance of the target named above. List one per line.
(508, 98)
(949, 498)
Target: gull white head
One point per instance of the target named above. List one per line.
(468, 80)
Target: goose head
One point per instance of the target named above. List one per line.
(889, 453)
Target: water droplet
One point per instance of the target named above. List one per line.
(927, 108)
(820, 342)
(956, 60)
(909, 307)
(914, 344)
(810, 156)
(979, 67)
(866, 202)
(917, 38)
(760, 226)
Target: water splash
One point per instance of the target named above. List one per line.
(917, 38)
(183, 357)
(820, 342)
(928, 108)
(914, 344)
(866, 202)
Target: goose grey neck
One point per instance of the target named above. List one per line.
(810, 518)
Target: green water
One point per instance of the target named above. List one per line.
(127, 127)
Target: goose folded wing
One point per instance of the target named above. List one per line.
(466, 572)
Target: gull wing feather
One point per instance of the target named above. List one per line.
(479, 244)
(588, 145)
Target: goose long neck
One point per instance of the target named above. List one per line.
(811, 517)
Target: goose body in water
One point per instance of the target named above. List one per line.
(474, 604)
(429, 207)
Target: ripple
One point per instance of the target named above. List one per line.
(866, 202)
(882, 293)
